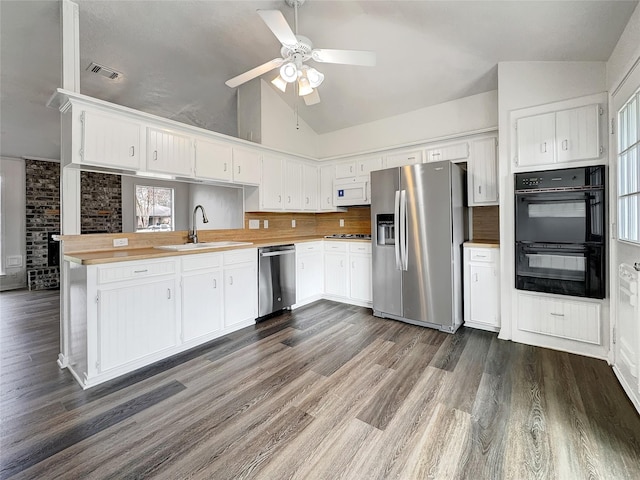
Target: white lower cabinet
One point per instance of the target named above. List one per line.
(482, 287)
(240, 286)
(309, 272)
(135, 321)
(336, 273)
(202, 297)
(347, 272)
(360, 275)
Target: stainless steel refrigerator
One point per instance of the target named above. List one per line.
(418, 223)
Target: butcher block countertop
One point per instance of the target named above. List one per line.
(97, 257)
(482, 243)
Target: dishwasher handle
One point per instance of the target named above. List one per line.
(277, 253)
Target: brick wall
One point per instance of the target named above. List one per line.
(101, 205)
(42, 188)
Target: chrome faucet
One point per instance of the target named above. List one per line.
(193, 234)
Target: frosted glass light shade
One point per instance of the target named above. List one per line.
(315, 77)
(289, 72)
(280, 83)
(303, 87)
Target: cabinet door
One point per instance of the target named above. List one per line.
(135, 321)
(459, 151)
(401, 159)
(240, 293)
(367, 165)
(327, 175)
(345, 170)
(360, 278)
(292, 185)
(336, 274)
(310, 187)
(482, 181)
(201, 304)
(536, 140)
(247, 167)
(169, 152)
(213, 160)
(110, 140)
(577, 133)
(271, 186)
(309, 276)
(483, 294)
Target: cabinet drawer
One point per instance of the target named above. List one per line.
(308, 247)
(359, 247)
(200, 262)
(136, 270)
(573, 320)
(240, 256)
(331, 246)
(482, 254)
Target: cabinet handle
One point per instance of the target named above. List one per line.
(544, 147)
(435, 154)
(230, 279)
(288, 198)
(350, 168)
(341, 263)
(362, 167)
(413, 158)
(557, 314)
(353, 265)
(132, 151)
(328, 200)
(140, 271)
(215, 283)
(155, 155)
(279, 198)
(307, 200)
(475, 277)
(301, 265)
(479, 189)
(225, 166)
(565, 144)
(168, 294)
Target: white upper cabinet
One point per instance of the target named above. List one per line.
(110, 140)
(271, 186)
(309, 187)
(327, 175)
(558, 137)
(169, 152)
(247, 166)
(365, 166)
(213, 160)
(482, 173)
(577, 133)
(405, 158)
(457, 151)
(345, 170)
(292, 190)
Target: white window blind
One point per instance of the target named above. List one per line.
(629, 170)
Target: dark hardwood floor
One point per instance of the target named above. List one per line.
(325, 391)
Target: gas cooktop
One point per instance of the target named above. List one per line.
(362, 236)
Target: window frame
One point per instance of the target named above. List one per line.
(628, 167)
(153, 188)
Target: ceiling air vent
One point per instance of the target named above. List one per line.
(104, 71)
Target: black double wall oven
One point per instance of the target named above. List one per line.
(560, 231)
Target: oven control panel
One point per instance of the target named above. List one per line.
(569, 178)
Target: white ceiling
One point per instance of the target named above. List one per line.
(176, 55)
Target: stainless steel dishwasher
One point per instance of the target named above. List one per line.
(276, 278)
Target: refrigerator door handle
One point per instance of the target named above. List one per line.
(403, 230)
(396, 229)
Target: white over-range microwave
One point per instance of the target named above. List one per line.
(351, 191)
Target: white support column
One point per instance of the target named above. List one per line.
(69, 178)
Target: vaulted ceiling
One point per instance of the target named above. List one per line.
(176, 55)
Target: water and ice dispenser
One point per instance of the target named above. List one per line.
(386, 229)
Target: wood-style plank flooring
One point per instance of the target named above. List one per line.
(326, 391)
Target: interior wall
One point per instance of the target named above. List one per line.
(100, 203)
(12, 216)
(468, 114)
(522, 85)
(281, 128)
(223, 206)
(626, 53)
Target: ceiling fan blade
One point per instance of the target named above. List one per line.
(312, 98)
(347, 57)
(254, 72)
(279, 26)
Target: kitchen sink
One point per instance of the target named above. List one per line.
(201, 245)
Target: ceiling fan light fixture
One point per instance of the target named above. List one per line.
(289, 72)
(303, 87)
(315, 77)
(280, 83)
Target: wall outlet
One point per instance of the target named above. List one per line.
(120, 242)
(266, 224)
(293, 223)
(342, 222)
(254, 224)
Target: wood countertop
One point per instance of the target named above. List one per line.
(99, 257)
(482, 243)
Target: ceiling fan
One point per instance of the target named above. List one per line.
(295, 52)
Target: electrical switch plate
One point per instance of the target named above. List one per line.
(293, 224)
(342, 222)
(254, 224)
(120, 242)
(266, 224)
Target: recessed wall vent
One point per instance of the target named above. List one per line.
(104, 71)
